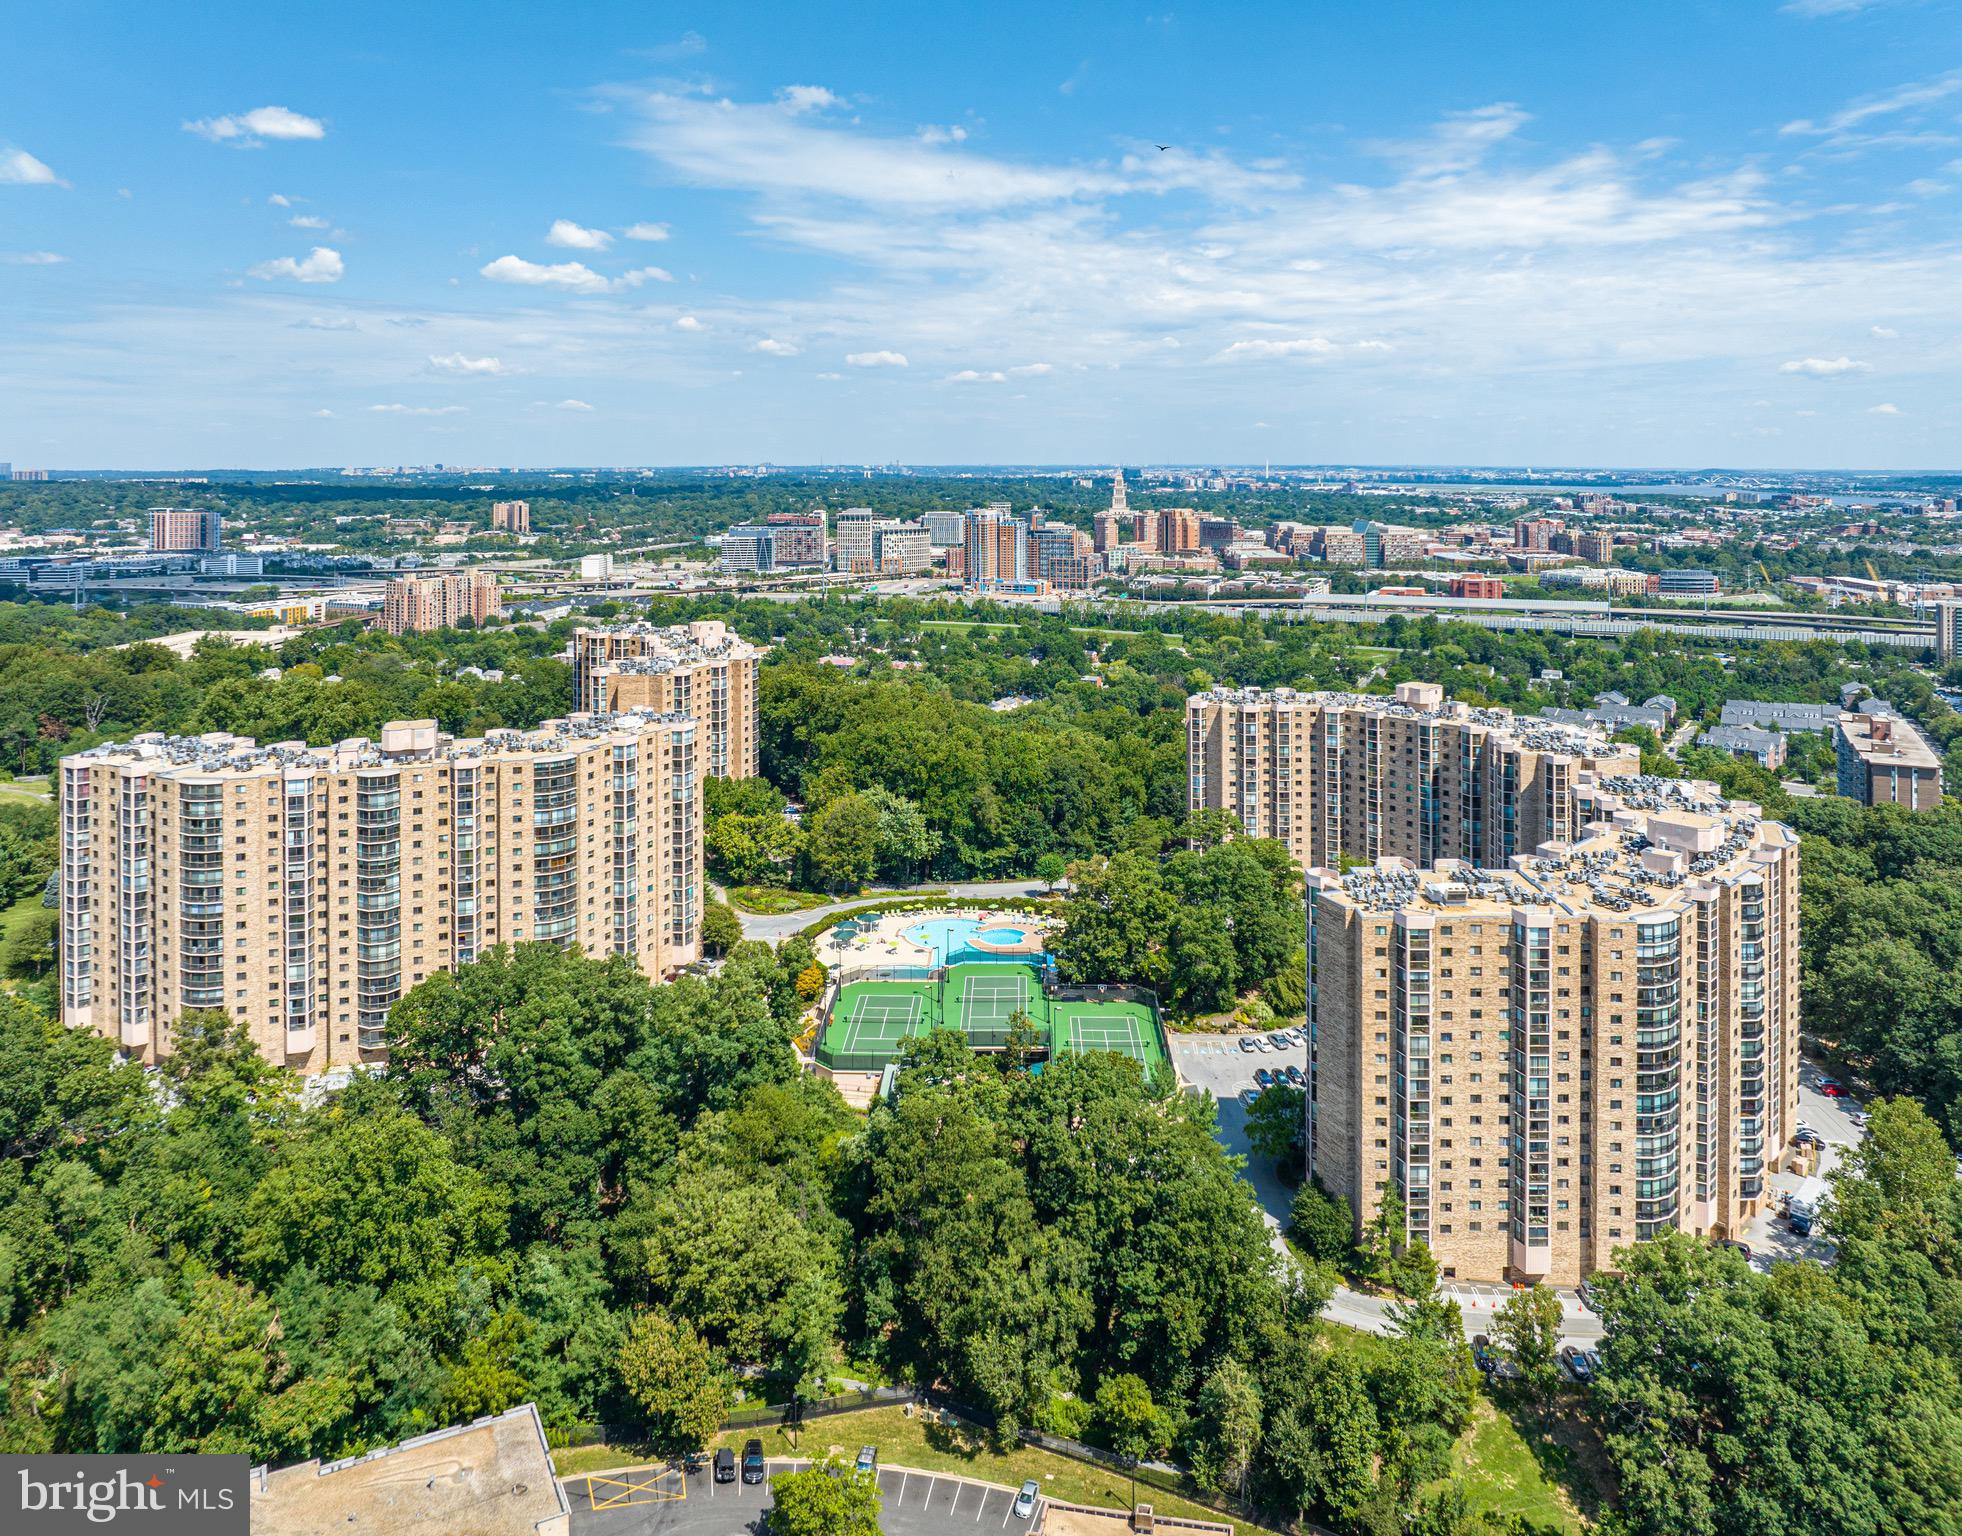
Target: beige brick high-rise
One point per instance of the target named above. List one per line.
(415, 604)
(704, 668)
(1556, 1010)
(304, 889)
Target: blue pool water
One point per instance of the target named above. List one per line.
(951, 939)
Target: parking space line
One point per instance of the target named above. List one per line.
(902, 1488)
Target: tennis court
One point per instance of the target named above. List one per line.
(1128, 1029)
(880, 1016)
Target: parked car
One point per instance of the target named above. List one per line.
(1805, 1136)
(1249, 1097)
(1575, 1361)
(1264, 1077)
(1833, 1091)
(725, 1465)
(1735, 1246)
(1249, 1044)
(868, 1458)
(1281, 1041)
(1587, 1298)
(1593, 1359)
(1297, 1077)
(1262, 1043)
(1025, 1500)
(752, 1461)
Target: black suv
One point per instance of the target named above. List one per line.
(752, 1461)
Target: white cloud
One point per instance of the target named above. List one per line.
(247, 130)
(324, 414)
(775, 348)
(1030, 370)
(1885, 408)
(809, 98)
(573, 276)
(973, 376)
(1298, 346)
(32, 258)
(325, 323)
(20, 169)
(876, 359)
(933, 133)
(1825, 367)
(646, 231)
(576, 237)
(1841, 127)
(689, 323)
(320, 265)
(1884, 333)
(398, 409)
(831, 376)
(479, 367)
(280, 200)
(572, 405)
(779, 149)
(307, 221)
(1459, 141)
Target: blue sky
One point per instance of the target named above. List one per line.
(1669, 234)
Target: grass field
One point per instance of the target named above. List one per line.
(26, 789)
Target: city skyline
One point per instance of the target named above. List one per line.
(731, 237)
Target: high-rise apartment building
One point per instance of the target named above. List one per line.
(1535, 532)
(1555, 1010)
(704, 668)
(511, 517)
(412, 604)
(186, 528)
(304, 889)
(1178, 530)
(1337, 775)
(945, 528)
(997, 546)
(1064, 556)
(1548, 1062)
(1597, 547)
(1948, 631)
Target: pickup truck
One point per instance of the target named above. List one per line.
(1802, 1205)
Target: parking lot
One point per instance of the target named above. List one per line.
(1217, 1064)
(916, 1504)
(1770, 1235)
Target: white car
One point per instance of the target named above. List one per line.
(1025, 1501)
(1262, 1043)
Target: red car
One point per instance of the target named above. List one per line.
(1833, 1091)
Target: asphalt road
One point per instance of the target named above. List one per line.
(1216, 1063)
(915, 1504)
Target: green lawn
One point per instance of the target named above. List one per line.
(1502, 1471)
(772, 900)
(26, 789)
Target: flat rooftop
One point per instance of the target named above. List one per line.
(489, 1478)
(1888, 741)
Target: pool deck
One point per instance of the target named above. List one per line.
(885, 941)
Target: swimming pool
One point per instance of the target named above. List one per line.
(952, 940)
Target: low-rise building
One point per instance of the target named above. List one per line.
(1884, 760)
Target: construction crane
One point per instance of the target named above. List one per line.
(1872, 574)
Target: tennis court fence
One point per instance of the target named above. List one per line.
(1116, 992)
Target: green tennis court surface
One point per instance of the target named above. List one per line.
(869, 1019)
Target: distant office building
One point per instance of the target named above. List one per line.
(511, 517)
(1598, 547)
(1178, 531)
(595, 567)
(1064, 557)
(705, 668)
(1477, 586)
(414, 604)
(232, 564)
(796, 540)
(1216, 533)
(1535, 533)
(1385, 545)
(1687, 583)
(1766, 748)
(851, 544)
(179, 528)
(18, 475)
(748, 547)
(900, 548)
(945, 528)
(1337, 546)
(1948, 630)
(997, 546)
(1883, 760)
